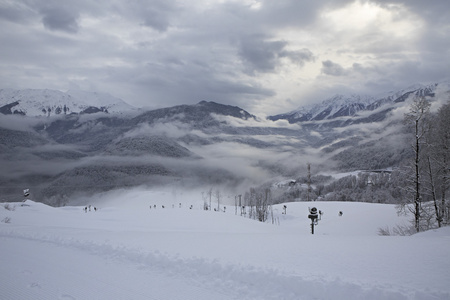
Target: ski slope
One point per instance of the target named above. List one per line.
(125, 250)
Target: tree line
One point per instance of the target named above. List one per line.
(426, 176)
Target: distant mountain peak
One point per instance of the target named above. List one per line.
(349, 105)
(336, 106)
(224, 109)
(45, 102)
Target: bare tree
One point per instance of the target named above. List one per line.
(218, 196)
(417, 118)
(251, 202)
(259, 202)
(210, 196)
(432, 190)
(438, 158)
(262, 204)
(205, 202)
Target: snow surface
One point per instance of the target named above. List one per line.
(125, 250)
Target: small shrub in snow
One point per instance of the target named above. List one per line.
(404, 230)
(384, 231)
(6, 220)
(397, 230)
(9, 207)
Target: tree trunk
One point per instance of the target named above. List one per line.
(433, 193)
(417, 180)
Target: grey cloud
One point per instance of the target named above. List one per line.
(366, 69)
(358, 67)
(289, 14)
(173, 77)
(156, 14)
(264, 56)
(193, 87)
(15, 12)
(156, 20)
(437, 12)
(236, 88)
(332, 69)
(165, 52)
(299, 57)
(59, 18)
(58, 15)
(259, 55)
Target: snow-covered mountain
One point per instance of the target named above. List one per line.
(336, 106)
(349, 106)
(44, 102)
(206, 143)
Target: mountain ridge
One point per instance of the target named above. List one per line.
(206, 143)
(349, 106)
(46, 102)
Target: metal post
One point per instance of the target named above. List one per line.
(309, 182)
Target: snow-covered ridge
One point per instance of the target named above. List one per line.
(338, 102)
(349, 105)
(44, 102)
(336, 106)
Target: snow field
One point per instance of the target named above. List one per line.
(129, 251)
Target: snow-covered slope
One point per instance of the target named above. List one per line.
(127, 250)
(349, 106)
(336, 106)
(112, 104)
(32, 102)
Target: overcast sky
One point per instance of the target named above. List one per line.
(268, 56)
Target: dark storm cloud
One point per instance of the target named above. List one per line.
(259, 55)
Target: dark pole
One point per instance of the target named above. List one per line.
(313, 216)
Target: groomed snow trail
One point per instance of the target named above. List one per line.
(77, 273)
(64, 253)
(89, 271)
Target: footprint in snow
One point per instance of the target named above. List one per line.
(34, 285)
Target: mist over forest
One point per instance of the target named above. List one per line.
(362, 156)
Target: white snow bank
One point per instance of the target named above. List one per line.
(182, 253)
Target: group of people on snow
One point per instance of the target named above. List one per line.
(89, 207)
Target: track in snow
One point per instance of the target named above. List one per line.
(107, 272)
